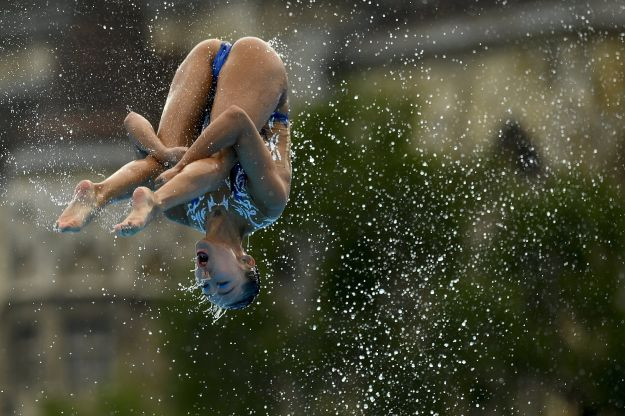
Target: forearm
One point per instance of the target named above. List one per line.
(197, 178)
(220, 134)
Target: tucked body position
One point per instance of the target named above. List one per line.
(220, 163)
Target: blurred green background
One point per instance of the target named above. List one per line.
(453, 244)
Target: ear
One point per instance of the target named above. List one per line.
(249, 260)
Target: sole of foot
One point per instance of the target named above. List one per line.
(143, 211)
(80, 210)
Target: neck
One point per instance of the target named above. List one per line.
(221, 227)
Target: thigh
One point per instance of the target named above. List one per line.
(188, 96)
(253, 78)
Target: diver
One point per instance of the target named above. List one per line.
(219, 163)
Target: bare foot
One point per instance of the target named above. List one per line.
(80, 211)
(144, 209)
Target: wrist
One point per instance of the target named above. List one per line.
(160, 153)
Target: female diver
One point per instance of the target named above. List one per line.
(224, 135)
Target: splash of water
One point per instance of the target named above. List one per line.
(212, 310)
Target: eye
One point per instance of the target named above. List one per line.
(202, 257)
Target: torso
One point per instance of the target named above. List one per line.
(234, 195)
(231, 200)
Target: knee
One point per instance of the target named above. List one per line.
(130, 118)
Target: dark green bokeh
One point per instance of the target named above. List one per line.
(450, 284)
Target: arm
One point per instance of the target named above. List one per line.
(269, 182)
(197, 178)
(221, 133)
(218, 138)
(143, 136)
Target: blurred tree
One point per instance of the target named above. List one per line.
(442, 284)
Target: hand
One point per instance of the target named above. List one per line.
(166, 176)
(173, 155)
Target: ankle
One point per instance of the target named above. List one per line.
(161, 153)
(101, 197)
(158, 201)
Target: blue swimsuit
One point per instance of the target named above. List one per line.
(239, 200)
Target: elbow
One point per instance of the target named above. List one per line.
(279, 198)
(237, 115)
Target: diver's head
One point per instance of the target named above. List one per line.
(229, 280)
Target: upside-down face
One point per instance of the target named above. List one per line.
(228, 281)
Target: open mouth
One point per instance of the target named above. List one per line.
(202, 258)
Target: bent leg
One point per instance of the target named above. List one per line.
(185, 104)
(188, 96)
(121, 183)
(253, 78)
(234, 128)
(197, 178)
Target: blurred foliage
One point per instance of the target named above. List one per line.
(404, 282)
